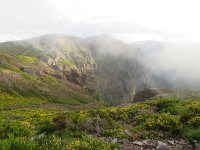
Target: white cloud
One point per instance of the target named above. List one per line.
(126, 19)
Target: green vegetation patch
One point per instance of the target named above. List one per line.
(29, 59)
(57, 129)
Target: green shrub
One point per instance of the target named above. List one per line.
(15, 143)
(163, 122)
(118, 114)
(194, 121)
(132, 113)
(140, 119)
(190, 112)
(15, 127)
(90, 143)
(118, 133)
(27, 58)
(60, 122)
(167, 105)
(191, 134)
(47, 127)
(51, 142)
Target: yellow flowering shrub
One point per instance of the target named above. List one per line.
(118, 133)
(88, 143)
(194, 121)
(164, 122)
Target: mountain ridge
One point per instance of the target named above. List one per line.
(101, 64)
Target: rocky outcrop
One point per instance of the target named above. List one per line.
(152, 144)
(120, 70)
(31, 71)
(145, 95)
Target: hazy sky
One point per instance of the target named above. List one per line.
(129, 20)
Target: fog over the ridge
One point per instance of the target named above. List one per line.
(172, 52)
(173, 64)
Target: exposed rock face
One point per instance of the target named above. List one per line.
(102, 63)
(119, 69)
(149, 144)
(145, 95)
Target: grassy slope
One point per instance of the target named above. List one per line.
(20, 88)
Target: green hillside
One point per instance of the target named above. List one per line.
(25, 80)
(72, 70)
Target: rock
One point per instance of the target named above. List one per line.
(162, 146)
(128, 132)
(32, 139)
(179, 147)
(41, 136)
(114, 140)
(197, 146)
(120, 146)
(122, 141)
(59, 56)
(31, 71)
(145, 142)
(49, 61)
(56, 67)
(183, 141)
(138, 143)
(144, 95)
(4, 62)
(171, 142)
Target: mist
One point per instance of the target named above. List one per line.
(172, 64)
(169, 40)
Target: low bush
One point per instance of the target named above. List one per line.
(163, 122)
(117, 133)
(194, 122)
(15, 127)
(51, 142)
(15, 143)
(90, 143)
(191, 134)
(190, 112)
(46, 126)
(166, 105)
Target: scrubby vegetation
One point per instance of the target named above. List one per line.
(38, 128)
(26, 80)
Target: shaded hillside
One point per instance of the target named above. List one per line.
(99, 67)
(120, 69)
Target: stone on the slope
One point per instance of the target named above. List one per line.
(31, 71)
(162, 146)
(138, 143)
(171, 142)
(128, 132)
(114, 140)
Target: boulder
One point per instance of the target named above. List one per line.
(31, 71)
(162, 146)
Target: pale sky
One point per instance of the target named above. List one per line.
(129, 20)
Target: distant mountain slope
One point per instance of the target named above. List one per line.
(71, 70)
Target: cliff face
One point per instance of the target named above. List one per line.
(100, 64)
(120, 71)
